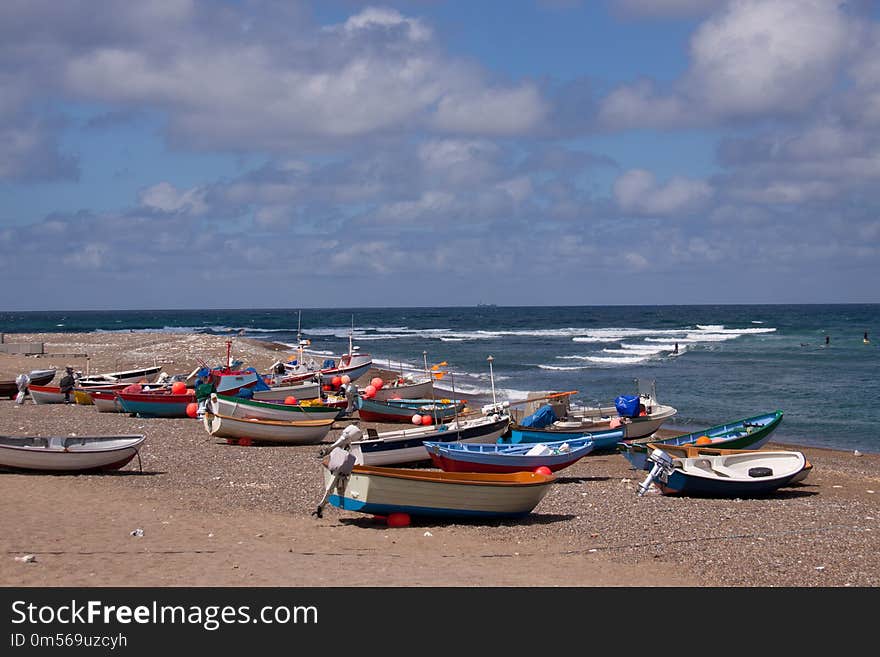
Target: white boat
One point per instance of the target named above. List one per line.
(144, 375)
(296, 432)
(407, 445)
(68, 453)
(402, 388)
(106, 401)
(300, 391)
(746, 473)
(607, 417)
(48, 394)
(237, 407)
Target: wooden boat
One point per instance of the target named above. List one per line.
(470, 457)
(402, 410)
(300, 391)
(106, 401)
(602, 440)
(36, 377)
(141, 375)
(651, 417)
(156, 403)
(294, 432)
(379, 490)
(748, 433)
(747, 473)
(401, 388)
(693, 451)
(47, 394)
(408, 445)
(68, 453)
(261, 410)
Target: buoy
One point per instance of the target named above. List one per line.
(290, 400)
(704, 440)
(346, 379)
(377, 383)
(426, 420)
(192, 410)
(543, 470)
(398, 519)
(178, 388)
(245, 442)
(369, 391)
(336, 381)
(416, 419)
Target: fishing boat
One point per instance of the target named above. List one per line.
(106, 401)
(402, 410)
(408, 445)
(303, 367)
(9, 388)
(68, 453)
(748, 433)
(47, 394)
(141, 375)
(693, 451)
(747, 473)
(638, 415)
(471, 457)
(246, 431)
(280, 390)
(603, 441)
(155, 403)
(262, 410)
(402, 388)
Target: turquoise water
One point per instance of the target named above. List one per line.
(732, 362)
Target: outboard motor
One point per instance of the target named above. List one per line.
(662, 465)
(22, 381)
(339, 462)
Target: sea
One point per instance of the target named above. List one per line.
(732, 361)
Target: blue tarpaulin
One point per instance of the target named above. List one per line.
(627, 406)
(543, 417)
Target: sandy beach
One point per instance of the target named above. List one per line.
(214, 514)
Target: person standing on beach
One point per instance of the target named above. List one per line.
(66, 384)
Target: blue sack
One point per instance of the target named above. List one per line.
(627, 406)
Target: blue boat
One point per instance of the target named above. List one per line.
(748, 433)
(494, 457)
(602, 440)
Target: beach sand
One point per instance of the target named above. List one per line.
(214, 514)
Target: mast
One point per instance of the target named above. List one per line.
(492, 379)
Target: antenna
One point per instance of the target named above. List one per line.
(492, 379)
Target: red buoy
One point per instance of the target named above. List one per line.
(398, 520)
(543, 470)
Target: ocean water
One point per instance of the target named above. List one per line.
(732, 361)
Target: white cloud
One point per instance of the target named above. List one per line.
(167, 198)
(372, 18)
(495, 111)
(637, 191)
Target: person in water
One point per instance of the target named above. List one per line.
(827, 339)
(865, 339)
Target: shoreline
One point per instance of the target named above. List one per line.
(222, 515)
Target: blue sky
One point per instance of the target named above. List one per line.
(198, 153)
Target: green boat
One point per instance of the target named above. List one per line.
(748, 433)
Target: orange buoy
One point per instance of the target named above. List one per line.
(703, 440)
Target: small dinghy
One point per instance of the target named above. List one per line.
(68, 453)
(742, 474)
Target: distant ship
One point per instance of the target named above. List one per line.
(486, 305)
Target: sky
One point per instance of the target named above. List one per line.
(283, 154)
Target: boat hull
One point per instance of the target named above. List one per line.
(247, 409)
(602, 440)
(747, 434)
(300, 391)
(408, 445)
(396, 390)
(370, 410)
(68, 454)
(37, 378)
(462, 457)
(47, 394)
(441, 494)
(308, 432)
(726, 475)
(106, 401)
(143, 375)
(156, 404)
